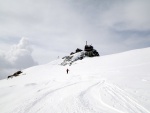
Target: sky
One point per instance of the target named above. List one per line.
(36, 32)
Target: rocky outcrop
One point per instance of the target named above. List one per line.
(90, 51)
(79, 54)
(72, 58)
(15, 74)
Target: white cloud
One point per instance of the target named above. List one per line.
(18, 57)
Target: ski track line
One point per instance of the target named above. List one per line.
(101, 106)
(127, 104)
(123, 98)
(87, 100)
(31, 102)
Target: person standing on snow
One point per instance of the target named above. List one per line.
(67, 70)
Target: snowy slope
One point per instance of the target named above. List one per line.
(118, 83)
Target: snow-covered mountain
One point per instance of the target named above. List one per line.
(118, 83)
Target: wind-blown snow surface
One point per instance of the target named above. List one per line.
(118, 83)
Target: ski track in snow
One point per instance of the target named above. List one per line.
(117, 95)
(88, 99)
(125, 102)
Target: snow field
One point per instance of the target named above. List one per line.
(118, 83)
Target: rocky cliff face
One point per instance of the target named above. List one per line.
(72, 58)
(79, 54)
(90, 51)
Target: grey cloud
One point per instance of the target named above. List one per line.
(59, 27)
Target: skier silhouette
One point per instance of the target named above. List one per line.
(67, 70)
